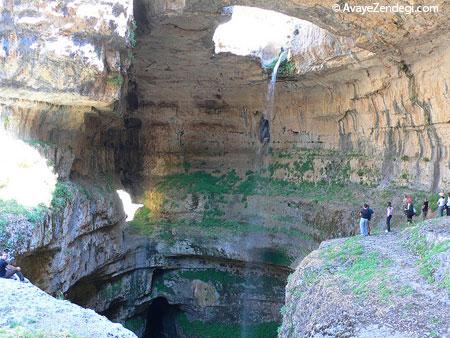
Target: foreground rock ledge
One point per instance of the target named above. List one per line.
(30, 312)
(387, 285)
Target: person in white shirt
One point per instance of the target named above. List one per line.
(448, 204)
(389, 212)
(441, 205)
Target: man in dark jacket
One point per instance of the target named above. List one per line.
(366, 215)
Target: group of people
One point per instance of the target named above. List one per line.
(408, 209)
(444, 204)
(8, 269)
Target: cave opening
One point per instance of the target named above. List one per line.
(161, 319)
(261, 33)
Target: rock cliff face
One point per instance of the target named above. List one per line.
(386, 99)
(70, 53)
(177, 126)
(371, 287)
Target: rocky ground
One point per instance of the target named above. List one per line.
(29, 312)
(387, 285)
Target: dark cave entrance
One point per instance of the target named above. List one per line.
(161, 320)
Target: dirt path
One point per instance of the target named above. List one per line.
(423, 303)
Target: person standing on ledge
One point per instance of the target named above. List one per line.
(447, 205)
(366, 215)
(389, 212)
(409, 210)
(425, 209)
(441, 204)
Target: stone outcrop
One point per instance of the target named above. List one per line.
(390, 285)
(30, 312)
(66, 53)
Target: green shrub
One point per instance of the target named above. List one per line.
(115, 79)
(287, 68)
(405, 158)
(8, 208)
(61, 195)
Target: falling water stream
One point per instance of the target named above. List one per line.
(262, 211)
(270, 98)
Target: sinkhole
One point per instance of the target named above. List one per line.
(265, 34)
(161, 319)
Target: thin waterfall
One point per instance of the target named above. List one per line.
(270, 99)
(269, 114)
(261, 163)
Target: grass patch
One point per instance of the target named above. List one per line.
(39, 143)
(11, 213)
(273, 167)
(132, 34)
(115, 79)
(212, 275)
(406, 290)
(405, 158)
(160, 287)
(23, 332)
(427, 253)
(309, 278)
(359, 267)
(198, 328)
(364, 269)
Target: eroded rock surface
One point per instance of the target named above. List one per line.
(387, 285)
(66, 53)
(30, 312)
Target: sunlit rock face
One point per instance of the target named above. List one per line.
(72, 53)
